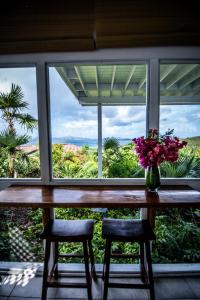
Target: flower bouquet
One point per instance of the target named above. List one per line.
(154, 150)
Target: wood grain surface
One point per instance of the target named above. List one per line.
(98, 196)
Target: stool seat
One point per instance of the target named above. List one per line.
(127, 230)
(68, 230)
(63, 231)
(134, 231)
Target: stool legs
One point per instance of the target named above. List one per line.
(46, 269)
(107, 269)
(93, 271)
(88, 278)
(150, 273)
(147, 279)
(142, 264)
(56, 260)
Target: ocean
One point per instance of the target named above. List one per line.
(78, 141)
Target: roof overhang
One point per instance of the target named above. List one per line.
(126, 84)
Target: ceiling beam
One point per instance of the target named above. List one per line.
(192, 78)
(168, 70)
(142, 83)
(182, 74)
(139, 100)
(196, 85)
(105, 86)
(96, 77)
(62, 72)
(112, 79)
(179, 100)
(129, 79)
(80, 79)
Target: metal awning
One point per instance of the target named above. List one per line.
(125, 84)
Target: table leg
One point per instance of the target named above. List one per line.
(47, 215)
(148, 214)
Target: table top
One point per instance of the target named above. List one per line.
(98, 196)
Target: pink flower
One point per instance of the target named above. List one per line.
(155, 149)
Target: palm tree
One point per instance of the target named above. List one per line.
(10, 145)
(12, 105)
(111, 143)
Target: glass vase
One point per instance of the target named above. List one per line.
(153, 178)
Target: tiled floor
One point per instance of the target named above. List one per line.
(18, 287)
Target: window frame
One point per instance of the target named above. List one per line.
(151, 56)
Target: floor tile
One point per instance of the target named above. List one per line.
(173, 288)
(165, 288)
(30, 288)
(126, 294)
(7, 284)
(20, 298)
(75, 293)
(194, 283)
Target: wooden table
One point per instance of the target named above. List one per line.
(49, 197)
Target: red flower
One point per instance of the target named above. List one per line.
(155, 149)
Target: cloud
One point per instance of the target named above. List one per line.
(128, 122)
(109, 111)
(82, 128)
(127, 116)
(181, 119)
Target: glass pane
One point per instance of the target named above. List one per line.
(19, 144)
(73, 128)
(123, 122)
(180, 110)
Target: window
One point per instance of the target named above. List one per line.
(91, 105)
(19, 144)
(73, 128)
(180, 110)
(115, 95)
(121, 123)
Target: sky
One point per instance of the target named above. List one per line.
(69, 118)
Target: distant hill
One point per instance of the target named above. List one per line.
(77, 141)
(193, 141)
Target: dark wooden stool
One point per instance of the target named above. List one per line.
(57, 231)
(136, 231)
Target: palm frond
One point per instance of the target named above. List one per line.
(11, 142)
(111, 143)
(13, 100)
(26, 120)
(186, 166)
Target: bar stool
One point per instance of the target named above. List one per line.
(57, 231)
(135, 231)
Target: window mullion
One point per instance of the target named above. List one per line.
(154, 95)
(99, 116)
(43, 124)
